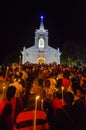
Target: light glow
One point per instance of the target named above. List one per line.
(42, 17)
(37, 97)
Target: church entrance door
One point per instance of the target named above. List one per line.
(41, 60)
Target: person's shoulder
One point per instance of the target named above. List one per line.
(3, 102)
(42, 113)
(22, 114)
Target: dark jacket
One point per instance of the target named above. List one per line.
(64, 118)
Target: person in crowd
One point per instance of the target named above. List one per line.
(79, 95)
(39, 88)
(82, 122)
(9, 109)
(53, 82)
(57, 101)
(24, 73)
(3, 85)
(75, 82)
(79, 104)
(65, 79)
(48, 102)
(25, 96)
(18, 85)
(63, 117)
(25, 120)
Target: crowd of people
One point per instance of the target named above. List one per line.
(62, 97)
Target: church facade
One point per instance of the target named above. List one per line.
(41, 52)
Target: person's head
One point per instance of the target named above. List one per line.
(66, 74)
(40, 82)
(68, 98)
(80, 92)
(47, 83)
(10, 92)
(59, 83)
(58, 95)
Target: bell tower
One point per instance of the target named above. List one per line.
(41, 36)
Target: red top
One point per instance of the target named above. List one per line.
(25, 120)
(57, 103)
(65, 83)
(17, 106)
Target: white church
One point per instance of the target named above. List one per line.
(41, 52)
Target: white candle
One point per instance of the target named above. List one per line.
(34, 123)
(42, 104)
(62, 92)
(20, 60)
(4, 88)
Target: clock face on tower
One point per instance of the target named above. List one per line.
(41, 43)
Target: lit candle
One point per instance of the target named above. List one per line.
(34, 123)
(62, 92)
(6, 72)
(4, 88)
(20, 60)
(42, 104)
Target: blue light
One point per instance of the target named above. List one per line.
(42, 17)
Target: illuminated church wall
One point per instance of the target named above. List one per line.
(41, 52)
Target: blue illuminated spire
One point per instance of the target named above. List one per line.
(41, 24)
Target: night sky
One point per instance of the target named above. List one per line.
(64, 19)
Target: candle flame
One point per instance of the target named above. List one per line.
(37, 97)
(62, 88)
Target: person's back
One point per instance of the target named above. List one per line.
(79, 105)
(25, 120)
(62, 120)
(3, 86)
(9, 109)
(82, 122)
(63, 117)
(57, 101)
(19, 87)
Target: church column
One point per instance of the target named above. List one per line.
(23, 58)
(46, 42)
(36, 41)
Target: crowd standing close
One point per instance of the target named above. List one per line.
(62, 97)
